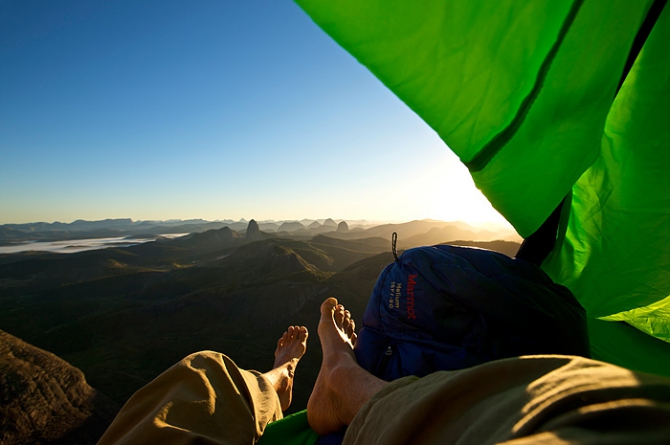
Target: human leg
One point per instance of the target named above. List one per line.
(519, 401)
(206, 398)
(342, 386)
(522, 400)
(290, 349)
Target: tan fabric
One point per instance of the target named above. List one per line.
(203, 399)
(207, 399)
(519, 401)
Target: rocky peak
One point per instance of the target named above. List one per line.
(343, 227)
(253, 231)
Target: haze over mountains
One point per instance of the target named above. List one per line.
(123, 315)
(126, 227)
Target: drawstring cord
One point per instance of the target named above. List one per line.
(394, 239)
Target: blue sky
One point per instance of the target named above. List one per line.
(207, 109)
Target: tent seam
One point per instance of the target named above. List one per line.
(493, 147)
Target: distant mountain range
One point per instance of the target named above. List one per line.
(306, 228)
(123, 315)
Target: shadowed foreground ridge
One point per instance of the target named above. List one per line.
(45, 400)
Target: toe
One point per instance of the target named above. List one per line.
(339, 316)
(327, 306)
(351, 328)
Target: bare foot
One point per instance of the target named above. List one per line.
(327, 410)
(290, 349)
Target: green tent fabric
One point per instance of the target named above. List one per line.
(527, 95)
(291, 430)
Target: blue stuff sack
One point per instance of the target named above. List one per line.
(450, 307)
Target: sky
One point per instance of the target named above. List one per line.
(209, 109)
